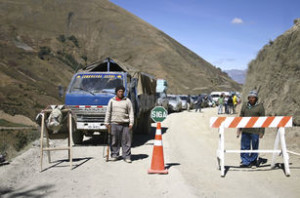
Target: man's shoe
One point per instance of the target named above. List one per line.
(249, 165)
(245, 166)
(113, 159)
(128, 160)
(261, 161)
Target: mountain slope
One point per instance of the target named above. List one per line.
(52, 38)
(276, 74)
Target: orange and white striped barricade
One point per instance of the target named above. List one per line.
(279, 122)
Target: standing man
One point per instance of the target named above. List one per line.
(221, 103)
(119, 118)
(188, 102)
(235, 102)
(250, 136)
(229, 105)
(199, 103)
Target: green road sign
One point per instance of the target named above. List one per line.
(158, 114)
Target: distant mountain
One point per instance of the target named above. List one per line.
(43, 42)
(237, 75)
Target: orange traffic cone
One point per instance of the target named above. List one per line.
(158, 164)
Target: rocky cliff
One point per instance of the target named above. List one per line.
(276, 74)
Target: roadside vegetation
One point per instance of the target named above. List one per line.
(13, 141)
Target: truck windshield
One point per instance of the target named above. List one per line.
(95, 84)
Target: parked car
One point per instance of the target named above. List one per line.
(184, 101)
(175, 103)
(162, 100)
(216, 95)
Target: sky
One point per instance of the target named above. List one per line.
(226, 33)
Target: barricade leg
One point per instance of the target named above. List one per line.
(48, 145)
(285, 155)
(219, 151)
(41, 140)
(275, 148)
(222, 151)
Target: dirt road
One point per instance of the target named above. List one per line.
(190, 155)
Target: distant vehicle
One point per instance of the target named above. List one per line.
(162, 100)
(184, 101)
(175, 103)
(161, 85)
(215, 95)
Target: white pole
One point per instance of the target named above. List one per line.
(70, 140)
(285, 155)
(222, 153)
(219, 150)
(275, 148)
(253, 151)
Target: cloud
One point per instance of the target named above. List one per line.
(237, 21)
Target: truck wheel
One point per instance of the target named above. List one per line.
(77, 137)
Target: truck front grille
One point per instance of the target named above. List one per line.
(90, 118)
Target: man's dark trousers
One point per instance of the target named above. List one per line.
(121, 137)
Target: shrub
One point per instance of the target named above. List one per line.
(74, 40)
(21, 140)
(61, 38)
(43, 52)
(271, 42)
(84, 57)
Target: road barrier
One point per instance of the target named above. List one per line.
(279, 122)
(44, 132)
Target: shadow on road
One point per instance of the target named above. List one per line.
(141, 139)
(58, 162)
(169, 165)
(95, 140)
(263, 168)
(37, 192)
(136, 157)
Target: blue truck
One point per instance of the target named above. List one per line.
(91, 88)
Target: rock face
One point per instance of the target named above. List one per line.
(276, 74)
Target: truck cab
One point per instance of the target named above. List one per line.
(91, 89)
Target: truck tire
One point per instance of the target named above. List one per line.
(77, 137)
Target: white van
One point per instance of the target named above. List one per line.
(215, 95)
